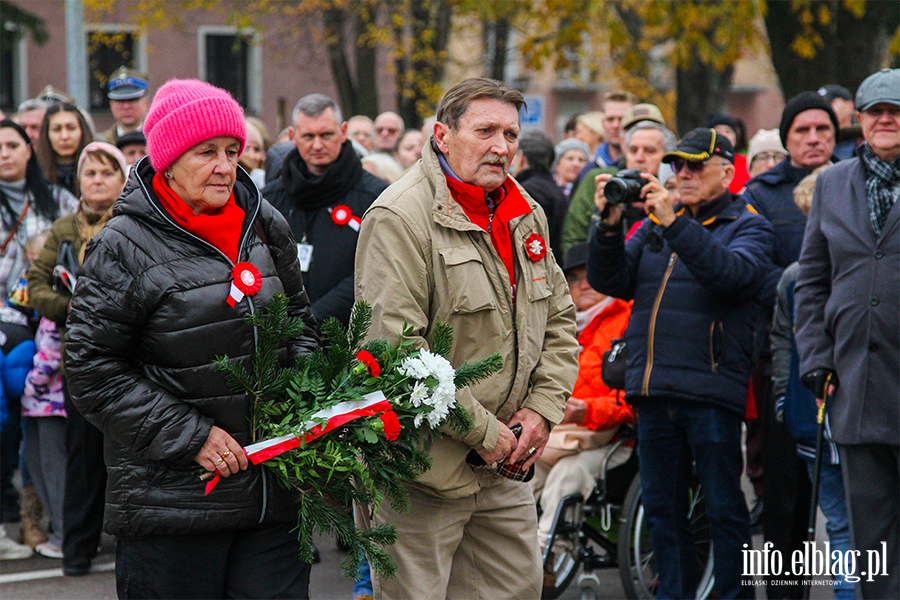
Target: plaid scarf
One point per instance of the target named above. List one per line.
(880, 177)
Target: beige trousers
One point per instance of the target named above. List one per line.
(483, 546)
(573, 474)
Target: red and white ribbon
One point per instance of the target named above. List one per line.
(245, 281)
(337, 415)
(341, 215)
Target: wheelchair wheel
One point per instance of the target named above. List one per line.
(636, 565)
(560, 557)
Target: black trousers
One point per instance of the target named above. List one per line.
(85, 489)
(257, 563)
(786, 489)
(872, 487)
(10, 445)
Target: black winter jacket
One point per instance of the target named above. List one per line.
(148, 318)
(772, 195)
(696, 301)
(305, 200)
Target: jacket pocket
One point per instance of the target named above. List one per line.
(470, 287)
(537, 284)
(716, 344)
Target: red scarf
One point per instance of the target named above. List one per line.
(221, 228)
(509, 204)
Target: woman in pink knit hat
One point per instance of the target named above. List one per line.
(192, 250)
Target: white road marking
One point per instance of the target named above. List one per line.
(48, 573)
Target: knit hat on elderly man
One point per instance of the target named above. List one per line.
(186, 112)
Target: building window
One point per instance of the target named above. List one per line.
(226, 64)
(9, 42)
(230, 59)
(107, 51)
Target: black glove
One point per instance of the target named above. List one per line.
(816, 381)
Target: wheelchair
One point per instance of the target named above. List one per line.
(608, 530)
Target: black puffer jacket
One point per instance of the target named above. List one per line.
(148, 318)
(305, 201)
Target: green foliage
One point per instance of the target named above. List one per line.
(12, 14)
(442, 339)
(356, 463)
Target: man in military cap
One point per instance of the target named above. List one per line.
(128, 102)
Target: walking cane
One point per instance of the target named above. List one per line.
(817, 472)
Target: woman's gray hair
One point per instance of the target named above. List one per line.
(669, 139)
(313, 105)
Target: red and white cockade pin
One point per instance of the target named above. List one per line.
(341, 215)
(246, 281)
(536, 247)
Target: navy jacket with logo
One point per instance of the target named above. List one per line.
(697, 287)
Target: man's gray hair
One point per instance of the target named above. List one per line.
(33, 104)
(313, 105)
(669, 139)
(456, 101)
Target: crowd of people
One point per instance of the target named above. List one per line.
(749, 277)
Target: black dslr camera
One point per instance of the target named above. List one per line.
(625, 187)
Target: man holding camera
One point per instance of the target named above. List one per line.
(645, 143)
(695, 273)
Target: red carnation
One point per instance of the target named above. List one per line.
(370, 362)
(391, 425)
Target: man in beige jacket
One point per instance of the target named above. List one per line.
(457, 240)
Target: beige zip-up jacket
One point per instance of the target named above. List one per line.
(422, 260)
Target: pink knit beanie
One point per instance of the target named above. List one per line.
(186, 112)
(114, 152)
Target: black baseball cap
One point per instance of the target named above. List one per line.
(832, 91)
(701, 144)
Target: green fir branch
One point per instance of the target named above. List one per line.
(472, 372)
(442, 339)
(360, 321)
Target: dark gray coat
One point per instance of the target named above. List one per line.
(848, 306)
(148, 318)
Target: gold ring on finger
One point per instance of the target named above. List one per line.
(226, 454)
(220, 461)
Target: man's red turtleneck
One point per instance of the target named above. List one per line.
(507, 202)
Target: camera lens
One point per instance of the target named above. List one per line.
(616, 191)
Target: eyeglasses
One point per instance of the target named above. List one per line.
(774, 157)
(694, 166)
(574, 279)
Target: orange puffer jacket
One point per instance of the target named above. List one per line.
(604, 410)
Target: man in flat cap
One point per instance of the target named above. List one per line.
(128, 102)
(847, 320)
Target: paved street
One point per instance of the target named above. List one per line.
(41, 579)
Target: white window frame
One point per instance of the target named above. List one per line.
(20, 70)
(254, 68)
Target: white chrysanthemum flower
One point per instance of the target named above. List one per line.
(413, 367)
(418, 420)
(419, 393)
(437, 416)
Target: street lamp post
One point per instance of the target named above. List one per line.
(76, 53)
